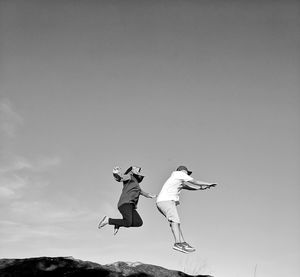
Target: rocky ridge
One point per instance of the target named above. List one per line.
(70, 267)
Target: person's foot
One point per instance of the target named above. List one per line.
(188, 247)
(103, 222)
(116, 229)
(180, 247)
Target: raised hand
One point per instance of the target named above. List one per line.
(116, 170)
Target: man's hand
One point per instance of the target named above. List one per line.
(211, 186)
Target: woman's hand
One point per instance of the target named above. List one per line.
(148, 195)
(117, 170)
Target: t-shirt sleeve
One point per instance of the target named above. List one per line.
(184, 177)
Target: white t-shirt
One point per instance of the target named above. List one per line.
(172, 187)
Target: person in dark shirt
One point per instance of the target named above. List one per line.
(129, 198)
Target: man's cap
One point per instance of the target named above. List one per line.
(182, 167)
(135, 170)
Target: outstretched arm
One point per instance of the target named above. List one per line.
(148, 195)
(197, 185)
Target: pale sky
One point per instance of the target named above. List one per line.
(213, 85)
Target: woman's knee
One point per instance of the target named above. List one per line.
(127, 222)
(139, 223)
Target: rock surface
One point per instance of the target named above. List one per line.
(70, 267)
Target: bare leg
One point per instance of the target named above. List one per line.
(176, 231)
(181, 238)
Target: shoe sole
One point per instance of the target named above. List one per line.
(190, 250)
(116, 231)
(181, 250)
(101, 222)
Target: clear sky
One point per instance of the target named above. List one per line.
(214, 85)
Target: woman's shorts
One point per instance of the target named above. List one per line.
(169, 210)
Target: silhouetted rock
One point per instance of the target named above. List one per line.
(70, 267)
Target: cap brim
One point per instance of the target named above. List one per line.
(189, 172)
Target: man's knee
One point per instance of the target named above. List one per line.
(172, 223)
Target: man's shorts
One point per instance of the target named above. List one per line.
(169, 210)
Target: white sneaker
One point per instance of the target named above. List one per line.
(188, 247)
(180, 247)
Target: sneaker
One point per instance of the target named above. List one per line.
(103, 222)
(116, 229)
(180, 247)
(188, 247)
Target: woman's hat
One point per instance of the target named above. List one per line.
(182, 167)
(135, 170)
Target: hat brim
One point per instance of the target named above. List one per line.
(130, 169)
(137, 173)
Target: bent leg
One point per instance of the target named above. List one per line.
(136, 219)
(126, 210)
(169, 210)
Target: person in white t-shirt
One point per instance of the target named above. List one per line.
(168, 199)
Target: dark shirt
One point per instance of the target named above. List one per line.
(130, 192)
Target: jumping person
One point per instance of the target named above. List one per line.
(168, 199)
(129, 198)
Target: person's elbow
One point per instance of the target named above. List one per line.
(117, 177)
